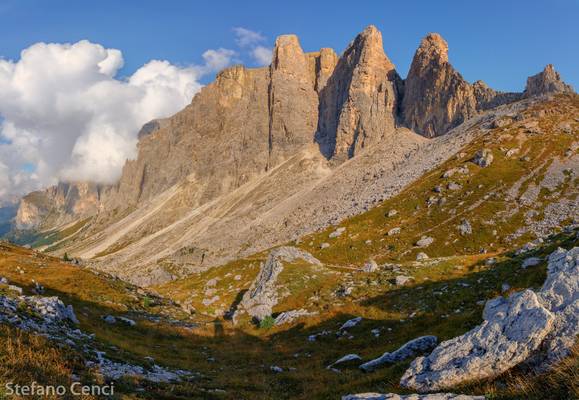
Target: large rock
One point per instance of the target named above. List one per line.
(409, 349)
(392, 396)
(262, 295)
(539, 326)
(546, 81)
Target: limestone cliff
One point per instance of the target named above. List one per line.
(436, 96)
(359, 101)
(547, 81)
(57, 205)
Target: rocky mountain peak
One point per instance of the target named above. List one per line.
(359, 102)
(288, 54)
(436, 97)
(432, 48)
(546, 81)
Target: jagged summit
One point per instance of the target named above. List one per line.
(546, 81)
(433, 47)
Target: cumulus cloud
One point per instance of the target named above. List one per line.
(65, 115)
(252, 41)
(262, 55)
(247, 38)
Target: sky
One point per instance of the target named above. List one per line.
(78, 78)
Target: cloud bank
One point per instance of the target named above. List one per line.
(65, 115)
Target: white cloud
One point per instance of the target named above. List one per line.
(64, 114)
(247, 38)
(262, 55)
(251, 42)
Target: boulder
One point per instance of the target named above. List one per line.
(261, 297)
(483, 158)
(370, 266)
(394, 231)
(465, 228)
(392, 396)
(539, 326)
(402, 280)
(410, 349)
(530, 262)
(424, 241)
(337, 232)
(347, 359)
(350, 323)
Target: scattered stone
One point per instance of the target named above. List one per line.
(530, 262)
(392, 396)
(512, 152)
(505, 287)
(127, 321)
(350, 323)
(392, 213)
(394, 231)
(347, 359)
(425, 241)
(109, 319)
(15, 288)
(422, 256)
(410, 349)
(324, 245)
(276, 369)
(483, 158)
(289, 316)
(370, 266)
(402, 280)
(337, 232)
(465, 228)
(453, 186)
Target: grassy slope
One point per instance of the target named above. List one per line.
(441, 300)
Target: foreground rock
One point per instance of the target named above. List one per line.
(528, 326)
(410, 349)
(392, 396)
(262, 296)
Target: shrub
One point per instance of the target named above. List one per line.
(267, 322)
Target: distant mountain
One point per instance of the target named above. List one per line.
(265, 155)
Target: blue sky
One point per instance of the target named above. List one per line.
(500, 42)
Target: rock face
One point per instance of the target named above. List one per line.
(262, 296)
(409, 349)
(547, 81)
(436, 97)
(539, 326)
(57, 205)
(293, 101)
(359, 102)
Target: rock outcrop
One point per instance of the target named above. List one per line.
(57, 205)
(436, 97)
(409, 349)
(392, 396)
(539, 326)
(358, 104)
(262, 296)
(546, 81)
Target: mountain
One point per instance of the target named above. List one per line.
(262, 156)
(311, 229)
